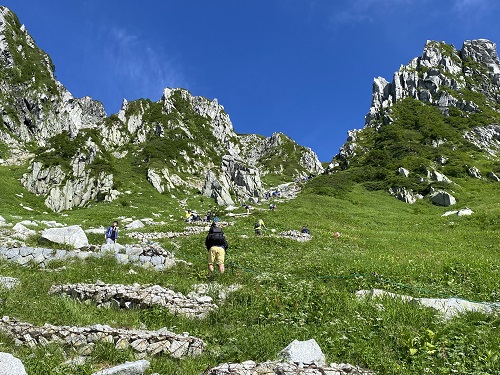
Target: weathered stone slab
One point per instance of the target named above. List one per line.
(72, 235)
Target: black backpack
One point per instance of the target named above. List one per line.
(217, 236)
(256, 225)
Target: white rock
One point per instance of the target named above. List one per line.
(72, 235)
(128, 368)
(10, 365)
(136, 224)
(305, 352)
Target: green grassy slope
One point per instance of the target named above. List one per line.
(297, 290)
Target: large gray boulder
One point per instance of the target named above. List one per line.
(10, 365)
(72, 235)
(442, 198)
(304, 352)
(128, 368)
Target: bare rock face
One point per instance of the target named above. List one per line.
(66, 190)
(255, 149)
(486, 138)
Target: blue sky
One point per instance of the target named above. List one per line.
(301, 67)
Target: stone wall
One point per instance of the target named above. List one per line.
(145, 255)
(84, 339)
(128, 296)
(288, 368)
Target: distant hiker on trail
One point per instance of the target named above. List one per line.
(216, 244)
(258, 227)
(272, 206)
(305, 230)
(112, 233)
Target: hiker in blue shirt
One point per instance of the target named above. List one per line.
(112, 233)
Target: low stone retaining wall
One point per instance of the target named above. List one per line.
(84, 338)
(128, 296)
(193, 228)
(295, 235)
(288, 368)
(144, 255)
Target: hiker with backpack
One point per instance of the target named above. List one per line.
(216, 244)
(258, 227)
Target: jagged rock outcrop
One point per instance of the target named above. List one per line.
(67, 190)
(256, 150)
(433, 105)
(440, 65)
(405, 195)
(35, 106)
(486, 138)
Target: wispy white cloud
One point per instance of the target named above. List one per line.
(144, 69)
(462, 5)
(362, 11)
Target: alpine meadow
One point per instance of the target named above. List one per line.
(399, 275)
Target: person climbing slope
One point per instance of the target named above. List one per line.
(216, 244)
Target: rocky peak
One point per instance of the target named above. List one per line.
(482, 51)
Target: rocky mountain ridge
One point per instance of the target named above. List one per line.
(180, 142)
(438, 115)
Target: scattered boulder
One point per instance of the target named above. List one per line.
(136, 224)
(462, 212)
(442, 198)
(128, 368)
(72, 235)
(295, 235)
(10, 365)
(493, 176)
(474, 172)
(21, 232)
(403, 172)
(405, 195)
(304, 352)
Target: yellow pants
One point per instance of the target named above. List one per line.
(216, 253)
